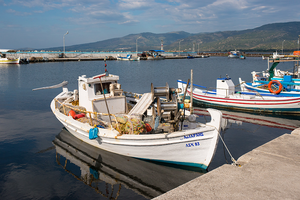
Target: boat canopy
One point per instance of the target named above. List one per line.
(157, 50)
(271, 71)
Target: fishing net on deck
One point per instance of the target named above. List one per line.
(128, 125)
(93, 122)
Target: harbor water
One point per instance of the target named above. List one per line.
(41, 160)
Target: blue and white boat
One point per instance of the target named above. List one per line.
(234, 54)
(226, 97)
(274, 81)
(128, 58)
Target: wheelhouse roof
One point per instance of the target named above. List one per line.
(157, 50)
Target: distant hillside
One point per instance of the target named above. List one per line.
(128, 43)
(266, 37)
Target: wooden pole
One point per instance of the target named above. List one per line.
(185, 90)
(191, 97)
(105, 101)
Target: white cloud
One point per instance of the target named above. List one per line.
(135, 4)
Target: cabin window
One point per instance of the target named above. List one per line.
(98, 89)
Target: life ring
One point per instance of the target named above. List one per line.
(278, 89)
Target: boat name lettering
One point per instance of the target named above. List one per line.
(194, 144)
(192, 135)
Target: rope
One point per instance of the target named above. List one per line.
(240, 84)
(232, 159)
(223, 134)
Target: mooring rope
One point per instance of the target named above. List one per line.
(232, 159)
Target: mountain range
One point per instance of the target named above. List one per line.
(264, 38)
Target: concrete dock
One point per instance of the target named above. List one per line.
(271, 171)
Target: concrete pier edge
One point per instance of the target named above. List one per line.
(270, 171)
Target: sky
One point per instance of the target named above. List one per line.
(44, 23)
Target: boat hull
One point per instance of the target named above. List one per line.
(128, 59)
(193, 147)
(9, 61)
(155, 58)
(233, 56)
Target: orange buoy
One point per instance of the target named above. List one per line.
(277, 89)
(72, 113)
(148, 127)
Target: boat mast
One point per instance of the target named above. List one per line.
(191, 109)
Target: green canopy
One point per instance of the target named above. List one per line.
(271, 71)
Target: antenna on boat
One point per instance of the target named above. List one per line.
(105, 65)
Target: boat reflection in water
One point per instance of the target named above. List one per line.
(275, 121)
(99, 169)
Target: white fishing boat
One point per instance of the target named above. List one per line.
(5, 60)
(158, 133)
(225, 96)
(234, 54)
(128, 58)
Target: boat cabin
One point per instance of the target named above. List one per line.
(225, 87)
(93, 93)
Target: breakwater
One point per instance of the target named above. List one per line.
(83, 56)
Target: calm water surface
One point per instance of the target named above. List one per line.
(40, 160)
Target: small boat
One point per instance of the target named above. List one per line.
(157, 130)
(128, 58)
(154, 55)
(5, 60)
(226, 97)
(274, 80)
(275, 86)
(242, 57)
(234, 54)
(204, 56)
(277, 56)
